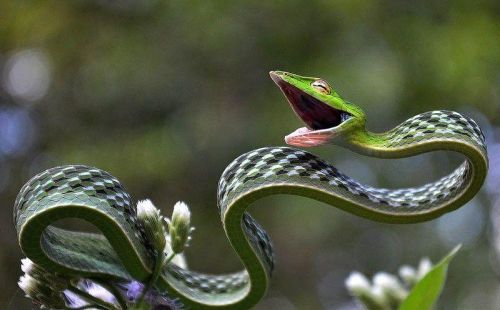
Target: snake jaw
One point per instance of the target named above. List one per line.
(305, 137)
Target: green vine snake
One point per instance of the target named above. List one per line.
(121, 252)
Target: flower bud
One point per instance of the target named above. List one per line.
(408, 274)
(27, 284)
(424, 267)
(357, 284)
(372, 297)
(391, 287)
(58, 283)
(41, 293)
(152, 221)
(378, 299)
(179, 227)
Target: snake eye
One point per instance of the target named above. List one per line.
(322, 86)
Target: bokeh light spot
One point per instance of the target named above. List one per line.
(17, 131)
(27, 75)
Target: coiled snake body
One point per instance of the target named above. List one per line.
(121, 251)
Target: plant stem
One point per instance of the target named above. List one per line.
(160, 262)
(169, 258)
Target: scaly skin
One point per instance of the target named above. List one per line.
(122, 252)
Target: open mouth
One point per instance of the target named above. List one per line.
(317, 115)
(314, 113)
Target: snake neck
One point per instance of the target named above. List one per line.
(385, 144)
(372, 144)
(430, 131)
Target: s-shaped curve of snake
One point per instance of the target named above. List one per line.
(122, 252)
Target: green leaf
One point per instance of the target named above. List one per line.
(426, 292)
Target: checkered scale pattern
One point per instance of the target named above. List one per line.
(292, 167)
(278, 168)
(289, 166)
(199, 283)
(74, 179)
(436, 124)
(77, 184)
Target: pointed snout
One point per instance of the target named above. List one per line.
(277, 76)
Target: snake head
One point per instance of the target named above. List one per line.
(326, 115)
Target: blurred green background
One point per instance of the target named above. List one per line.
(164, 94)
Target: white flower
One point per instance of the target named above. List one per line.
(74, 300)
(379, 296)
(52, 280)
(146, 209)
(385, 280)
(387, 290)
(100, 292)
(357, 284)
(28, 284)
(181, 212)
(41, 293)
(179, 227)
(408, 274)
(26, 265)
(390, 285)
(424, 267)
(94, 289)
(152, 222)
(371, 296)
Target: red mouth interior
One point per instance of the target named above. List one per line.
(314, 113)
